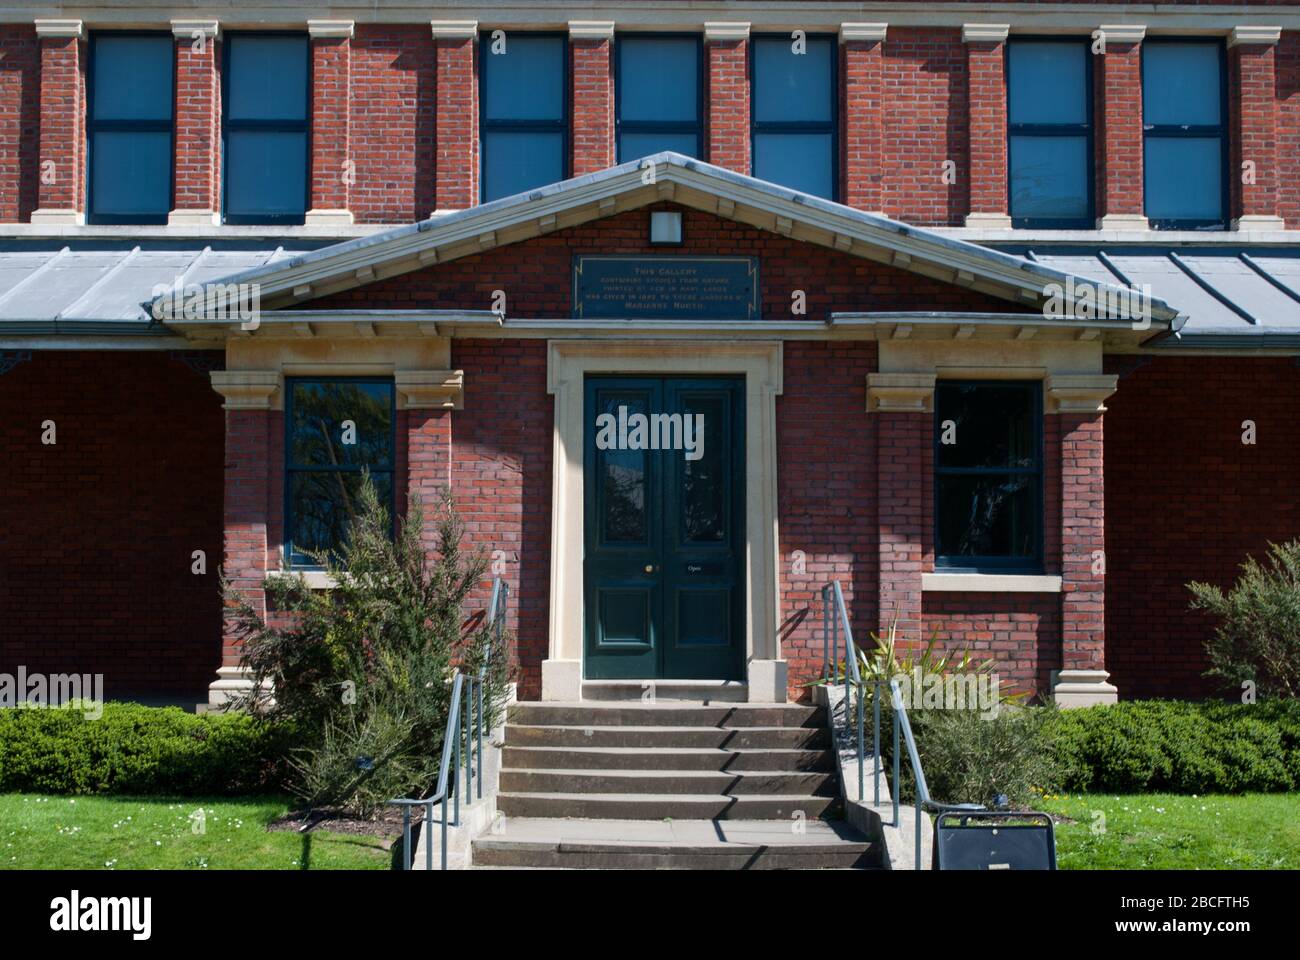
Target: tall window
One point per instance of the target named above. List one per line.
(657, 91)
(989, 475)
(1185, 150)
(266, 106)
(1049, 123)
(525, 113)
(336, 430)
(130, 127)
(794, 113)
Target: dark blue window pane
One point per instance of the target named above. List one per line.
(132, 78)
(632, 146)
(659, 78)
(268, 78)
(527, 81)
(800, 161)
(1047, 82)
(515, 162)
(320, 410)
(1181, 84)
(322, 507)
(266, 173)
(1184, 178)
(131, 172)
(791, 86)
(1049, 177)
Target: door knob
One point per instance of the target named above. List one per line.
(649, 568)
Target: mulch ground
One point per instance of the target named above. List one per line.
(386, 825)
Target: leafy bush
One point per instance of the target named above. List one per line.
(139, 750)
(363, 671)
(1179, 747)
(1258, 638)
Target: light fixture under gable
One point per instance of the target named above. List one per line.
(665, 227)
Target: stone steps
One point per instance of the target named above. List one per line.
(672, 784)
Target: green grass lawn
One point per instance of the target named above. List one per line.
(151, 833)
(1162, 831)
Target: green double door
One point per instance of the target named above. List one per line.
(663, 564)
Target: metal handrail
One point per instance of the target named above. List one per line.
(834, 618)
(467, 725)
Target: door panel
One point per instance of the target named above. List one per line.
(664, 530)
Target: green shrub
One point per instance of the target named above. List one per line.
(1258, 637)
(364, 671)
(1179, 747)
(140, 750)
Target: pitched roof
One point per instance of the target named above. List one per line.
(671, 176)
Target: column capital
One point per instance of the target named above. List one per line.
(1253, 35)
(193, 29)
(1080, 393)
(985, 32)
(1123, 32)
(246, 389)
(863, 32)
(454, 29)
(725, 31)
(330, 29)
(591, 29)
(57, 28)
(900, 392)
(430, 389)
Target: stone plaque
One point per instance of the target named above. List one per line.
(665, 288)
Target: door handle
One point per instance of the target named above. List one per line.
(650, 568)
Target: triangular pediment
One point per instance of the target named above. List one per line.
(297, 281)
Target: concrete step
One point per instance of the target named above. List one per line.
(665, 758)
(675, 737)
(677, 845)
(671, 714)
(659, 806)
(697, 782)
(699, 692)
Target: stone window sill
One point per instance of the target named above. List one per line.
(989, 583)
(316, 579)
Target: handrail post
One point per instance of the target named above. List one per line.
(453, 731)
(428, 837)
(835, 649)
(897, 772)
(444, 832)
(875, 736)
(478, 735)
(406, 837)
(826, 636)
(862, 692)
(469, 745)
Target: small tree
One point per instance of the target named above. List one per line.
(1258, 638)
(363, 671)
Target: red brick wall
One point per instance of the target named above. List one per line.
(1117, 82)
(862, 122)
(537, 274)
(501, 479)
(727, 104)
(393, 112)
(988, 126)
(593, 106)
(1021, 632)
(1287, 61)
(826, 496)
(925, 124)
(97, 531)
(20, 120)
(62, 123)
(197, 164)
(331, 73)
(1186, 500)
(456, 130)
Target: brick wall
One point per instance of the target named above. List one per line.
(1287, 62)
(536, 274)
(1020, 632)
(198, 125)
(20, 119)
(826, 499)
(727, 104)
(1186, 500)
(501, 478)
(97, 531)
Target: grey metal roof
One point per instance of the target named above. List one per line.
(1247, 296)
(101, 286)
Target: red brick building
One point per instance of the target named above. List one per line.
(883, 260)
